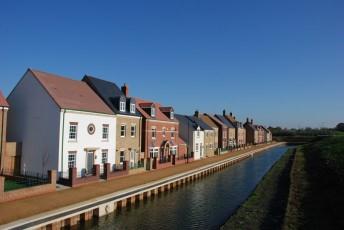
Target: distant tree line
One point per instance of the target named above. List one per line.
(278, 131)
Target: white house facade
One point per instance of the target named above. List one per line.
(61, 123)
(86, 139)
(198, 143)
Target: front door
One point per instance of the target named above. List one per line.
(89, 162)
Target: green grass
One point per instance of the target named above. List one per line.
(265, 208)
(317, 186)
(12, 185)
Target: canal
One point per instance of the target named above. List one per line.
(204, 204)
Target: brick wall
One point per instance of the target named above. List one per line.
(27, 192)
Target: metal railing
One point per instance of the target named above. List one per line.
(25, 178)
(136, 165)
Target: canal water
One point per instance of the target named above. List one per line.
(204, 204)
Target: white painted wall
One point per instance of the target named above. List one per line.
(200, 141)
(86, 140)
(34, 120)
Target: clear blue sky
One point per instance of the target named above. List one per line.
(280, 62)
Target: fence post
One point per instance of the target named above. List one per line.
(72, 176)
(2, 185)
(107, 171)
(52, 177)
(125, 165)
(96, 170)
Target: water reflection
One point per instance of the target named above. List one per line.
(205, 204)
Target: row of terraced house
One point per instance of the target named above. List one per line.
(62, 124)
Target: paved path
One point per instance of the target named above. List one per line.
(19, 209)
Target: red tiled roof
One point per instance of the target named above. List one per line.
(158, 114)
(3, 101)
(146, 105)
(71, 94)
(166, 109)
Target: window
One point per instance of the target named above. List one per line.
(71, 159)
(153, 112)
(132, 108)
(153, 133)
(172, 133)
(123, 129)
(105, 132)
(197, 147)
(73, 131)
(172, 115)
(163, 131)
(122, 106)
(198, 133)
(173, 150)
(121, 157)
(133, 130)
(104, 156)
(154, 152)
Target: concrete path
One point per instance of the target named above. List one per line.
(19, 209)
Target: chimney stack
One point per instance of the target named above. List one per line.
(247, 120)
(252, 121)
(230, 114)
(224, 112)
(196, 113)
(234, 117)
(125, 90)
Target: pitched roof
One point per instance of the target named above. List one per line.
(159, 115)
(206, 119)
(184, 120)
(224, 120)
(71, 94)
(3, 101)
(216, 120)
(200, 123)
(109, 92)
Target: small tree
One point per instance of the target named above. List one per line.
(340, 127)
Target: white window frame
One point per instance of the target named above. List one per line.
(74, 132)
(196, 147)
(70, 160)
(163, 131)
(121, 157)
(105, 134)
(173, 132)
(154, 131)
(125, 130)
(131, 130)
(152, 111)
(171, 115)
(122, 106)
(105, 154)
(132, 108)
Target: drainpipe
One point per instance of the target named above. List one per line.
(62, 138)
(1, 140)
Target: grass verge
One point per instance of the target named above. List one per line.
(265, 208)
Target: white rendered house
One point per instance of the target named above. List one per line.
(61, 123)
(192, 134)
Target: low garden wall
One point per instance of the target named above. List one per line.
(21, 193)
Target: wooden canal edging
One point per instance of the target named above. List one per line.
(73, 214)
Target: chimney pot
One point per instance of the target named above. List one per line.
(125, 90)
(196, 113)
(224, 112)
(231, 114)
(251, 121)
(247, 120)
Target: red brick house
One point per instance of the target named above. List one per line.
(160, 135)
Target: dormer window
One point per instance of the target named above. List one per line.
(172, 115)
(153, 112)
(122, 106)
(132, 108)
